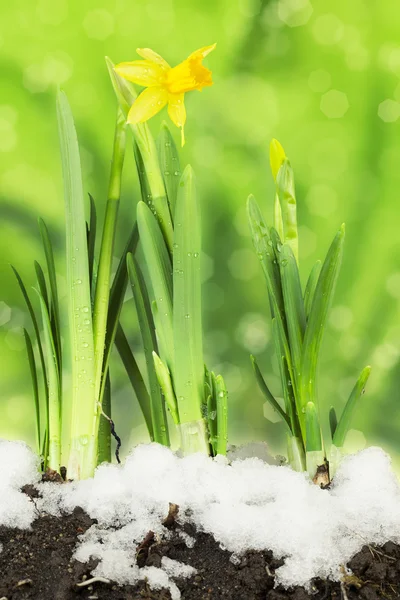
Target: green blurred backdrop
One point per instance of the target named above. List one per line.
(322, 77)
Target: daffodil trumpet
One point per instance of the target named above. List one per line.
(165, 85)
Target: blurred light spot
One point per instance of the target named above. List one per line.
(207, 151)
(308, 241)
(349, 346)
(389, 57)
(277, 44)
(5, 313)
(243, 264)
(216, 342)
(52, 12)
(98, 24)
(328, 29)
(8, 136)
(15, 339)
(340, 318)
(207, 267)
(33, 79)
(393, 285)
(319, 80)
(321, 200)
(295, 12)
(385, 356)
(270, 413)
(8, 114)
(354, 442)
(334, 104)
(270, 17)
(213, 296)
(249, 8)
(358, 59)
(56, 68)
(232, 375)
(16, 410)
(253, 333)
(389, 111)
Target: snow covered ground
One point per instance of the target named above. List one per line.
(247, 504)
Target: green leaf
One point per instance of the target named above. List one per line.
(310, 287)
(84, 431)
(165, 382)
(135, 377)
(313, 429)
(169, 164)
(35, 327)
(54, 303)
(42, 283)
(212, 414)
(287, 199)
(92, 243)
(348, 411)
(332, 421)
(104, 446)
(54, 413)
(268, 394)
(222, 415)
(317, 318)
(32, 367)
(160, 269)
(294, 305)
(146, 325)
(188, 374)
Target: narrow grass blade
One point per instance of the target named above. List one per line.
(102, 295)
(296, 453)
(294, 305)
(310, 287)
(222, 415)
(146, 325)
(135, 377)
(54, 304)
(160, 269)
(314, 448)
(35, 327)
(348, 411)
(169, 164)
(317, 318)
(147, 150)
(212, 414)
(92, 229)
(287, 199)
(165, 382)
(268, 394)
(85, 412)
(54, 414)
(42, 283)
(276, 157)
(35, 387)
(187, 318)
(145, 189)
(104, 446)
(332, 421)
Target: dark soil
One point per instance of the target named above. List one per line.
(37, 564)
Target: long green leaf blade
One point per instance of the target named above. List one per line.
(34, 377)
(287, 200)
(147, 330)
(54, 414)
(222, 415)
(348, 411)
(85, 412)
(268, 394)
(310, 287)
(92, 229)
(165, 382)
(169, 164)
(135, 377)
(160, 269)
(42, 283)
(317, 319)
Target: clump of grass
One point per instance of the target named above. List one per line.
(298, 323)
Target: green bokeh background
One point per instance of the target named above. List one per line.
(322, 77)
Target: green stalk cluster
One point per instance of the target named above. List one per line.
(298, 323)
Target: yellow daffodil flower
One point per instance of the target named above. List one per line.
(164, 84)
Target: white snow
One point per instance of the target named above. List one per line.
(245, 504)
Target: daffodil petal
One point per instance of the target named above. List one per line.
(149, 54)
(148, 104)
(202, 52)
(177, 112)
(142, 72)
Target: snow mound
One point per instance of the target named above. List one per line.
(245, 504)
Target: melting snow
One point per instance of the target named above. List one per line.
(245, 504)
